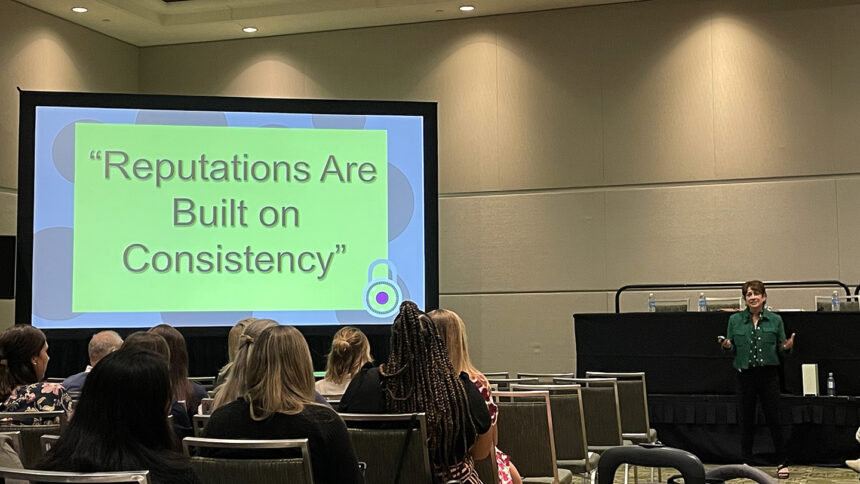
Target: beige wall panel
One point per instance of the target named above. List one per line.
(772, 91)
(451, 63)
(254, 68)
(845, 71)
(657, 92)
(530, 242)
(8, 213)
(714, 233)
(848, 197)
(550, 109)
(7, 313)
(525, 332)
(40, 52)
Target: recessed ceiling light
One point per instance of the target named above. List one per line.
(80, 9)
(467, 8)
(249, 30)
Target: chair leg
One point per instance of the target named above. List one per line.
(626, 473)
(635, 474)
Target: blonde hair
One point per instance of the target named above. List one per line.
(280, 377)
(234, 337)
(453, 332)
(234, 387)
(350, 350)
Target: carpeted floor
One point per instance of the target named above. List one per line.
(799, 475)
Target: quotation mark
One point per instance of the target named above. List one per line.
(340, 249)
(95, 155)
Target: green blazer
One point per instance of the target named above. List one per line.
(745, 339)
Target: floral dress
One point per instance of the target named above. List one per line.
(503, 462)
(38, 397)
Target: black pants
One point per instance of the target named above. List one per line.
(760, 384)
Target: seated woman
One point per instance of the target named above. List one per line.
(453, 332)
(419, 377)
(23, 361)
(184, 390)
(278, 403)
(234, 382)
(142, 340)
(350, 350)
(233, 338)
(120, 423)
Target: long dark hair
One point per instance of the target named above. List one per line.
(419, 377)
(179, 382)
(120, 422)
(18, 345)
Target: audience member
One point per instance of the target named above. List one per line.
(234, 386)
(101, 344)
(453, 333)
(184, 390)
(232, 348)
(23, 361)
(350, 350)
(142, 340)
(278, 403)
(418, 377)
(121, 422)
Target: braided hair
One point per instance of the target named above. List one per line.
(419, 377)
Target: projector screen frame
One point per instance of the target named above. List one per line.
(30, 100)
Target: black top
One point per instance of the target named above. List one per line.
(332, 457)
(365, 395)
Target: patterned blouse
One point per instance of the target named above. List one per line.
(38, 397)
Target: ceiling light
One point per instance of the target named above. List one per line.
(467, 8)
(79, 9)
(249, 30)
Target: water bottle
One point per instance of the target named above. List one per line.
(651, 303)
(831, 385)
(834, 301)
(703, 303)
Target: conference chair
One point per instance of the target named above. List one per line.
(199, 422)
(846, 303)
(505, 383)
(392, 446)
(525, 433)
(216, 470)
(724, 303)
(141, 477)
(601, 407)
(677, 305)
(633, 405)
(568, 425)
(31, 452)
(206, 406)
(689, 465)
(545, 377)
(488, 468)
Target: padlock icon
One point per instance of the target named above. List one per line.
(382, 296)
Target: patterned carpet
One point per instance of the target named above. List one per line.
(799, 475)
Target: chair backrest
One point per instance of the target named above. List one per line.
(199, 422)
(545, 377)
(846, 303)
(207, 382)
(14, 440)
(601, 408)
(391, 443)
(525, 432)
(141, 477)
(568, 423)
(31, 446)
(632, 400)
(488, 469)
(214, 470)
(689, 465)
(497, 374)
(678, 305)
(724, 303)
(505, 383)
